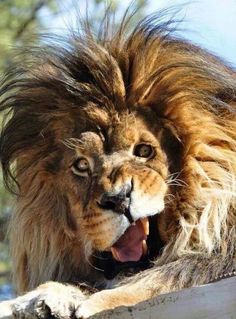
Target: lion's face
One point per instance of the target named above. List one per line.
(113, 138)
(117, 177)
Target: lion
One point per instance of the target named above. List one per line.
(121, 150)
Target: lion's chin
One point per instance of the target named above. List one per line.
(131, 246)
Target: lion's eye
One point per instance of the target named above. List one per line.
(143, 150)
(81, 165)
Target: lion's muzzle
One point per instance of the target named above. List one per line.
(131, 246)
(116, 219)
(119, 202)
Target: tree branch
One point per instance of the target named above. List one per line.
(31, 18)
(5, 274)
(3, 226)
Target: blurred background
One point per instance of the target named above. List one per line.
(209, 23)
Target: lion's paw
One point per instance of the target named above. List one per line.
(107, 300)
(53, 300)
(98, 302)
(42, 306)
(86, 309)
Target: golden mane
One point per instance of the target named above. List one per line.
(190, 90)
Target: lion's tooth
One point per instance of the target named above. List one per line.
(145, 248)
(114, 253)
(145, 223)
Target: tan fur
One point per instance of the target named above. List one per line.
(118, 92)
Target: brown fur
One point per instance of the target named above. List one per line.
(100, 97)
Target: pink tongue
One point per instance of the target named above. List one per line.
(129, 246)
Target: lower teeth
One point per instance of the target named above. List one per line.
(145, 248)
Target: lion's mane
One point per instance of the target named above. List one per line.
(193, 91)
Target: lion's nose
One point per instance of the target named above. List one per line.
(118, 202)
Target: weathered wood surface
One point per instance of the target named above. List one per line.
(5, 310)
(212, 301)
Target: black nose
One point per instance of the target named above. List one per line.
(119, 202)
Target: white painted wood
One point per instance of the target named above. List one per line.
(5, 310)
(212, 301)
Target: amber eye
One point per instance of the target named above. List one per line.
(81, 165)
(143, 150)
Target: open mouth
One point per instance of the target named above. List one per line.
(133, 251)
(132, 245)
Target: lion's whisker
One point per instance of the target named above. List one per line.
(98, 257)
(93, 266)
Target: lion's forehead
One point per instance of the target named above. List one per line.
(121, 132)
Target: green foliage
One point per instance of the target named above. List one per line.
(19, 20)
(97, 8)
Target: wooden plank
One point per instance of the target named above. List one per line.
(5, 310)
(212, 301)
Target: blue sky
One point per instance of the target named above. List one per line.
(213, 24)
(210, 23)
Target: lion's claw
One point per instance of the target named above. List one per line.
(42, 307)
(54, 300)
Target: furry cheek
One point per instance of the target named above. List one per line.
(103, 228)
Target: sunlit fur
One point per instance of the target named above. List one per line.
(181, 93)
